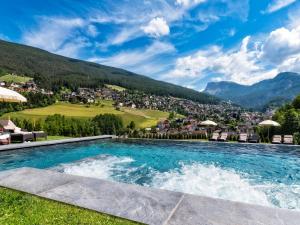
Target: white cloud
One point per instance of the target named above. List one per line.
(189, 3)
(141, 60)
(125, 35)
(57, 35)
(291, 64)
(208, 17)
(276, 5)
(231, 32)
(157, 27)
(71, 48)
(255, 59)
(92, 30)
(241, 65)
(162, 14)
(281, 44)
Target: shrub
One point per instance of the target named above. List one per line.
(297, 138)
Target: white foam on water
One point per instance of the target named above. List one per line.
(282, 195)
(199, 179)
(213, 181)
(101, 167)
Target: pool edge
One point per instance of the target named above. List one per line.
(12, 147)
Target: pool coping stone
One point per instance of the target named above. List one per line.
(142, 204)
(25, 145)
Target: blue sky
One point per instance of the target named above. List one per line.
(186, 42)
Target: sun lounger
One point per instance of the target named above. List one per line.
(288, 139)
(4, 139)
(223, 137)
(254, 138)
(277, 139)
(22, 137)
(39, 134)
(215, 136)
(243, 137)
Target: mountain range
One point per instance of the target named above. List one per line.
(272, 92)
(53, 71)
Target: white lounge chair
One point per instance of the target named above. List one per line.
(243, 137)
(215, 136)
(288, 139)
(224, 136)
(277, 139)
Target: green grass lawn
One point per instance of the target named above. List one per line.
(17, 208)
(15, 78)
(115, 87)
(53, 138)
(142, 118)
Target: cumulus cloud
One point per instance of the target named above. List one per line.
(281, 44)
(157, 27)
(239, 65)
(254, 60)
(276, 5)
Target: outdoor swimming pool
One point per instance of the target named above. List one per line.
(259, 174)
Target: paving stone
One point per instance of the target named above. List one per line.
(150, 206)
(197, 210)
(6, 173)
(33, 180)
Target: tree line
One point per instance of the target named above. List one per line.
(289, 118)
(58, 125)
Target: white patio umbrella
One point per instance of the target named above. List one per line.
(208, 123)
(7, 95)
(268, 124)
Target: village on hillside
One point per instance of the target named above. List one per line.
(228, 115)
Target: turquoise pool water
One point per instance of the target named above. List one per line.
(260, 174)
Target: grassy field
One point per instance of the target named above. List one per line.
(142, 118)
(15, 78)
(53, 138)
(115, 87)
(22, 209)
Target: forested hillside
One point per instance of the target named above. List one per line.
(52, 72)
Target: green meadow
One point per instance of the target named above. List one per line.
(14, 78)
(142, 118)
(115, 87)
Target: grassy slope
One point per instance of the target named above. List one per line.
(115, 87)
(142, 118)
(22, 209)
(14, 78)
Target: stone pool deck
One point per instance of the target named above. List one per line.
(142, 204)
(56, 142)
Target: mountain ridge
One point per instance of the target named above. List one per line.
(285, 86)
(52, 71)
